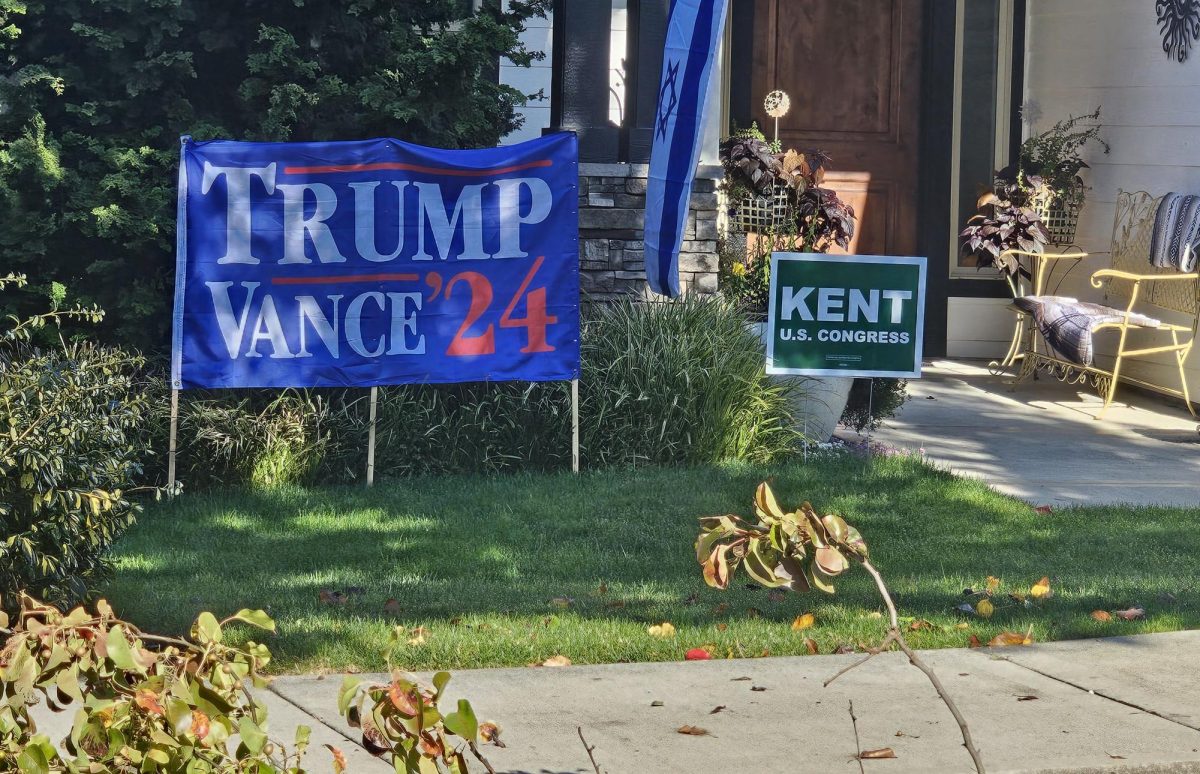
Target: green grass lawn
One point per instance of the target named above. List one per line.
(480, 562)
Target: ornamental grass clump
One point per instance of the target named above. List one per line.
(680, 382)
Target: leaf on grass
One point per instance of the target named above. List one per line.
(692, 731)
(557, 661)
(331, 597)
(392, 606)
(662, 630)
(984, 608)
(919, 625)
(697, 654)
(875, 615)
(1004, 639)
(1103, 616)
(418, 636)
(874, 755)
(803, 622)
(1132, 614)
(993, 583)
(603, 590)
(722, 627)
(811, 645)
(963, 625)
(974, 642)
(1041, 589)
(1043, 510)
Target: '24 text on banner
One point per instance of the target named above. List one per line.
(376, 262)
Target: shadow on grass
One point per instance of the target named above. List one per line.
(450, 550)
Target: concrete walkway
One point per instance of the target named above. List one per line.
(1042, 443)
(1121, 705)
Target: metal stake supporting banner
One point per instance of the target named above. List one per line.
(574, 425)
(870, 410)
(171, 448)
(371, 439)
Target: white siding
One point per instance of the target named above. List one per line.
(1081, 54)
(978, 327)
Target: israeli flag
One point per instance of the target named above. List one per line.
(693, 37)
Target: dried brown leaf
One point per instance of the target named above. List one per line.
(692, 731)
(1131, 614)
(874, 755)
(1103, 616)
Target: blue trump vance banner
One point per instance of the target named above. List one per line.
(375, 262)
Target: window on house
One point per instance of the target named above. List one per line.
(982, 109)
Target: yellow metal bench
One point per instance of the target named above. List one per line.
(1128, 286)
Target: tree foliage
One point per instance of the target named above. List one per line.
(95, 95)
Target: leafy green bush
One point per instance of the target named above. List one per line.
(94, 96)
(662, 383)
(71, 446)
(872, 401)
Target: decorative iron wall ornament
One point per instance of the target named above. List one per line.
(1179, 23)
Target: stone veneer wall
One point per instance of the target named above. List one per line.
(612, 216)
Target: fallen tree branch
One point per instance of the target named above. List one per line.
(896, 636)
(590, 749)
(857, 745)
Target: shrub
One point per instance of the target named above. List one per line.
(872, 401)
(71, 445)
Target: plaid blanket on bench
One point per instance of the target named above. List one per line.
(1176, 232)
(1067, 324)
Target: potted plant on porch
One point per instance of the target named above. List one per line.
(1049, 170)
(815, 221)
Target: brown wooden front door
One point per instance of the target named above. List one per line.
(853, 71)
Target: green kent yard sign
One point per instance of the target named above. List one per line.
(846, 315)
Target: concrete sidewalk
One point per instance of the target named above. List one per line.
(1121, 704)
(1042, 443)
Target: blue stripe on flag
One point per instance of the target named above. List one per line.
(693, 32)
(679, 174)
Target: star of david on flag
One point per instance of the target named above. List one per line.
(693, 37)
